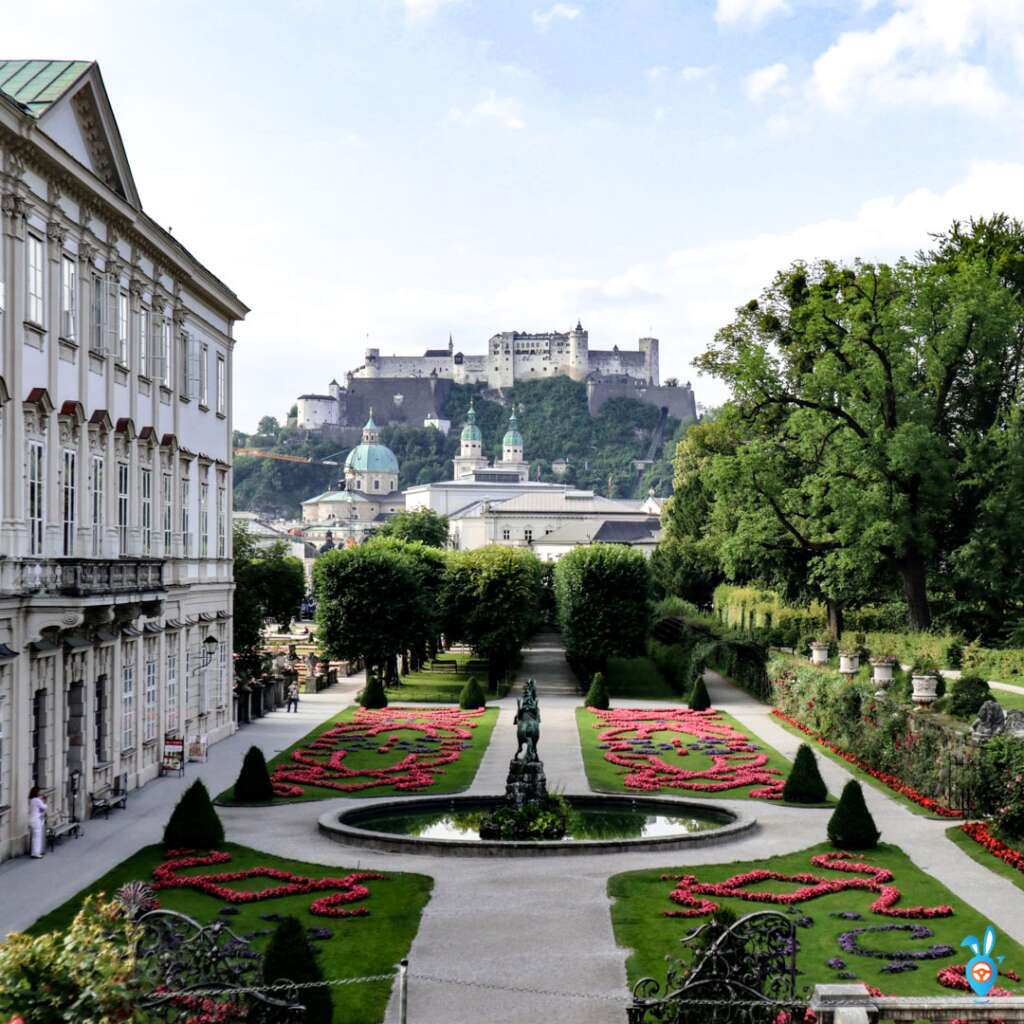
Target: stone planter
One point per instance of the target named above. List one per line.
(925, 690)
(819, 653)
(849, 664)
(882, 671)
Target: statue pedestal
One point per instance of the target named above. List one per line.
(526, 783)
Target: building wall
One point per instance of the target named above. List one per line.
(408, 401)
(679, 401)
(105, 596)
(317, 412)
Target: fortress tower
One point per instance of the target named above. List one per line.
(649, 347)
(579, 352)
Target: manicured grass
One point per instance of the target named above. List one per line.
(978, 852)
(453, 778)
(360, 945)
(637, 679)
(443, 685)
(608, 778)
(1010, 700)
(857, 773)
(641, 897)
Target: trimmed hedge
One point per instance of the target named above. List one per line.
(699, 700)
(290, 957)
(194, 824)
(805, 784)
(597, 695)
(373, 695)
(472, 695)
(253, 785)
(851, 826)
(969, 693)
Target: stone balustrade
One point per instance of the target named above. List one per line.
(80, 577)
(854, 1004)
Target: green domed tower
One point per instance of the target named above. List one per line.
(371, 467)
(471, 453)
(512, 442)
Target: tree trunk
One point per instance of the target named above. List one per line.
(915, 589)
(405, 663)
(835, 620)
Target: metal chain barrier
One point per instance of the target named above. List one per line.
(522, 990)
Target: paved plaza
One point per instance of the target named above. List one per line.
(542, 925)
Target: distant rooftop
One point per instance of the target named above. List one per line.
(38, 84)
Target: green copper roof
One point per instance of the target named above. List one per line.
(371, 458)
(512, 435)
(38, 84)
(471, 432)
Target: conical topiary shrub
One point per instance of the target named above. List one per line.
(805, 784)
(851, 826)
(373, 695)
(597, 695)
(699, 699)
(290, 957)
(472, 695)
(253, 785)
(194, 824)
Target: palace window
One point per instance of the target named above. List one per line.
(68, 298)
(122, 328)
(191, 366)
(204, 520)
(222, 519)
(96, 489)
(128, 697)
(146, 488)
(69, 499)
(528, 535)
(122, 507)
(204, 384)
(149, 693)
(168, 513)
(39, 724)
(222, 386)
(506, 534)
(34, 497)
(34, 282)
(172, 685)
(145, 363)
(186, 519)
(99, 721)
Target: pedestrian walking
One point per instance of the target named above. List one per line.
(37, 821)
(293, 698)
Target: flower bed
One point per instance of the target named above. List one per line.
(888, 780)
(428, 740)
(347, 889)
(979, 832)
(689, 889)
(642, 740)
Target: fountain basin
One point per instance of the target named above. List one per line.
(600, 824)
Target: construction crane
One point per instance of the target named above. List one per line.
(262, 453)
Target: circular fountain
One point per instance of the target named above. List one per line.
(465, 825)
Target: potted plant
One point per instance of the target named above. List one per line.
(925, 676)
(849, 661)
(819, 651)
(882, 668)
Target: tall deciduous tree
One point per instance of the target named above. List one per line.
(492, 601)
(368, 603)
(868, 394)
(603, 595)
(422, 524)
(269, 584)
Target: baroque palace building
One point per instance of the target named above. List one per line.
(115, 463)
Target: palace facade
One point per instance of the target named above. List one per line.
(115, 462)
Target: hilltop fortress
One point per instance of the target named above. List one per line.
(412, 389)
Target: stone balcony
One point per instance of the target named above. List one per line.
(81, 577)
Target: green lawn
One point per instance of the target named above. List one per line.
(1010, 701)
(641, 897)
(360, 946)
(442, 685)
(637, 679)
(452, 778)
(608, 778)
(977, 852)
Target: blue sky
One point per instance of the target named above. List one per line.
(383, 171)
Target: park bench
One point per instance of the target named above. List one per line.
(444, 665)
(106, 799)
(60, 829)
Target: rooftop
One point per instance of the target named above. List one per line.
(37, 84)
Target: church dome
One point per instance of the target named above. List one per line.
(370, 456)
(471, 432)
(512, 435)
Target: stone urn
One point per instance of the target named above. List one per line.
(849, 662)
(925, 689)
(819, 653)
(881, 673)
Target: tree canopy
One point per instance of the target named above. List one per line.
(421, 524)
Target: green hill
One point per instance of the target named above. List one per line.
(554, 421)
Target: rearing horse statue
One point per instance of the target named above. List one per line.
(527, 722)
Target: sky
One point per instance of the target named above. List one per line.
(384, 172)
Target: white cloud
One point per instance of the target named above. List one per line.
(655, 74)
(517, 71)
(748, 12)
(559, 12)
(694, 73)
(504, 110)
(765, 81)
(423, 10)
(922, 56)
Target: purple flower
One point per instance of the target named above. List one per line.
(898, 967)
(846, 915)
(836, 963)
(804, 921)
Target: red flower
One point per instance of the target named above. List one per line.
(978, 831)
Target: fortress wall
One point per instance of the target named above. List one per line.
(416, 400)
(405, 366)
(610, 364)
(679, 401)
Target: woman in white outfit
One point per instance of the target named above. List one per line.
(37, 821)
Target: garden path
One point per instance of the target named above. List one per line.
(30, 888)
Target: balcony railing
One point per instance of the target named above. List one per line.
(80, 577)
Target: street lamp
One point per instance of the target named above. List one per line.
(202, 653)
